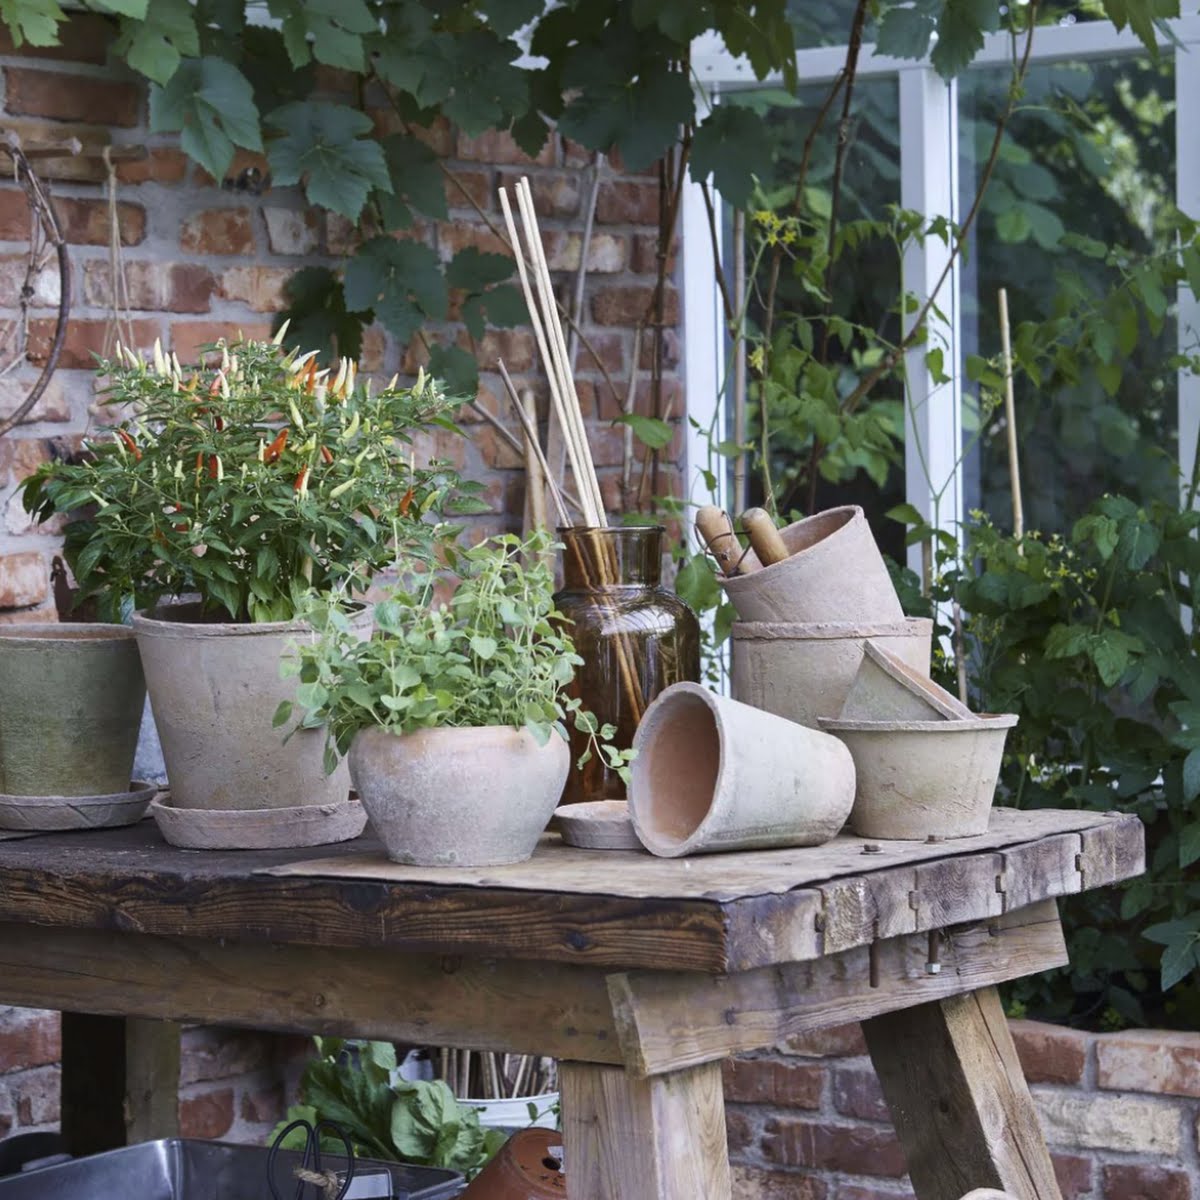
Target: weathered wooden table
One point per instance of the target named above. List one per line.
(639, 974)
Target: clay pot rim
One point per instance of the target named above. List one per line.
(461, 730)
(839, 518)
(44, 633)
(753, 631)
(976, 723)
(147, 624)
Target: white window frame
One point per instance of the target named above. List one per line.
(929, 185)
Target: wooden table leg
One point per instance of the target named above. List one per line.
(661, 1138)
(120, 1081)
(959, 1100)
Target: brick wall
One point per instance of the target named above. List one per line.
(1121, 1112)
(205, 261)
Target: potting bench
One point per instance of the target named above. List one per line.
(640, 975)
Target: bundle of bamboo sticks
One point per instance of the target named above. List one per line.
(488, 1075)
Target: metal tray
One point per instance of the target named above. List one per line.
(185, 1169)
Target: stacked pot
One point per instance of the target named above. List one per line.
(823, 641)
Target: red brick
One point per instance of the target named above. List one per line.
(645, 254)
(152, 286)
(84, 340)
(45, 287)
(84, 222)
(36, 1096)
(469, 189)
(189, 337)
(1139, 1181)
(856, 1093)
(739, 1130)
(373, 355)
(248, 171)
(292, 231)
(753, 1183)
(515, 346)
(772, 1081)
(670, 339)
(644, 400)
(162, 164)
(264, 1105)
(39, 93)
(557, 194)
(218, 231)
(19, 457)
(208, 1115)
(259, 288)
(631, 304)
(32, 1041)
(454, 236)
(84, 38)
(210, 1053)
(1050, 1053)
(342, 237)
(497, 146)
(607, 253)
(1149, 1060)
(495, 451)
(1074, 1174)
(441, 445)
(856, 1149)
(624, 202)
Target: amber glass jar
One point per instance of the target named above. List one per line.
(635, 638)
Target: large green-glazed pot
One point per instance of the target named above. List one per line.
(71, 700)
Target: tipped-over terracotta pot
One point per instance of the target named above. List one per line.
(834, 572)
(712, 774)
(804, 672)
(476, 796)
(887, 688)
(70, 707)
(917, 778)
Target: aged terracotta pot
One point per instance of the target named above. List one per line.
(917, 778)
(834, 572)
(461, 797)
(70, 707)
(214, 688)
(804, 672)
(712, 774)
(529, 1166)
(887, 688)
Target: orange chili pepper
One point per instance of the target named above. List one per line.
(300, 479)
(199, 461)
(310, 377)
(215, 386)
(130, 445)
(406, 502)
(326, 454)
(275, 449)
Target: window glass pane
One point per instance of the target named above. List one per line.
(815, 363)
(1090, 155)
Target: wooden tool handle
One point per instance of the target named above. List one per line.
(764, 537)
(717, 531)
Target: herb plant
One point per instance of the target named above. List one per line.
(495, 653)
(413, 1122)
(248, 482)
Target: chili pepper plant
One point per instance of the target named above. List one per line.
(249, 482)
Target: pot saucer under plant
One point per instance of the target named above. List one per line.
(258, 829)
(59, 814)
(597, 825)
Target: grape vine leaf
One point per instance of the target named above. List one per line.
(906, 31)
(32, 21)
(317, 315)
(331, 31)
(507, 16)
(400, 281)
(960, 31)
(322, 144)
(457, 370)
(156, 45)
(210, 103)
(417, 182)
(122, 8)
(485, 87)
(732, 144)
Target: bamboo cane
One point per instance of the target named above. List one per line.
(1010, 419)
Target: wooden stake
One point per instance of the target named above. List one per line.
(716, 530)
(1010, 417)
(764, 537)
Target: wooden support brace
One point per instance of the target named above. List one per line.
(644, 1139)
(959, 1100)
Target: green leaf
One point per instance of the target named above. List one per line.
(416, 179)
(156, 44)
(123, 8)
(32, 21)
(484, 647)
(318, 317)
(507, 16)
(961, 27)
(1189, 838)
(211, 104)
(473, 269)
(283, 714)
(485, 87)
(401, 281)
(650, 431)
(458, 371)
(906, 32)
(331, 31)
(733, 145)
(323, 144)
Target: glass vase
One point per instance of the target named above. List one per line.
(635, 639)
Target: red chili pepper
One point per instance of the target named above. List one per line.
(220, 423)
(199, 462)
(215, 386)
(405, 502)
(326, 454)
(300, 479)
(130, 444)
(310, 378)
(212, 466)
(275, 449)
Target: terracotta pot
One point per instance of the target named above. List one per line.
(887, 688)
(804, 672)
(529, 1166)
(467, 797)
(712, 774)
(834, 572)
(70, 707)
(917, 778)
(214, 689)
